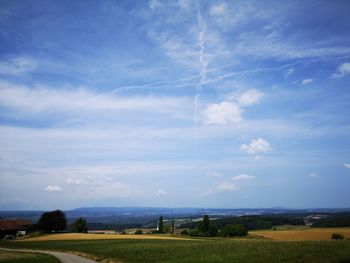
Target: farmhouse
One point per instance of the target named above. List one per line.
(14, 227)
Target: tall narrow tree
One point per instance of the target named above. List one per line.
(160, 225)
(172, 226)
(205, 223)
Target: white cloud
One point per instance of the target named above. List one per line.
(161, 193)
(230, 110)
(256, 146)
(53, 188)
(313, 175)
(307, 81)
(250, 97)
(214, 174)
(347, 165)
(227, 187)
(243, 177)
(222, 113)
(17, 66)
(342, 70)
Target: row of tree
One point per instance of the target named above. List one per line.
(56, 221)
(205, 228)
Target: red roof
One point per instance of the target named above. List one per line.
(7, 225)
(23, 222)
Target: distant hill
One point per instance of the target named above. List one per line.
(119, 217)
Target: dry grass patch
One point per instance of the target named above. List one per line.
(78, 236)
(302, 234)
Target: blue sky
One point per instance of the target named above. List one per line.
(174, 103)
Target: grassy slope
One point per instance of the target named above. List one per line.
(20, 257)
(171, 251)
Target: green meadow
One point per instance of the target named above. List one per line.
(21, 257)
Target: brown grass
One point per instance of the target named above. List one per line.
(77, 236)
(302, 234)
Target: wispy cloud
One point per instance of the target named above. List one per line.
(80, 99)
(313, 175)
(224, 187)
(161, 193)
(243, 177)
(227, 187)
(16, 66)
(53, 188)
(347, 165)
(307, 81)
(214, 174)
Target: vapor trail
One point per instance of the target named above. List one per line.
(203, 70)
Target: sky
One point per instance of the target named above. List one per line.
(228, 104)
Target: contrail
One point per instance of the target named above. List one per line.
(203, 70)
(201, 43)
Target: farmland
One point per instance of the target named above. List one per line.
(140, 248)
(302, 234)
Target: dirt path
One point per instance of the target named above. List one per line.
(63, 257)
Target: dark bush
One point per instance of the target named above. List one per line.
(337, 236)
(138, 232)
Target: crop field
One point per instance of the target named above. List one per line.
(191, 251)
(302, 234)
(20, 257)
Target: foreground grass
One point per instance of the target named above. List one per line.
(20, 257)
(224, 250)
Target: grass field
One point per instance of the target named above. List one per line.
(303, 234)
(77, 236)
(208, 251)
(20, 257)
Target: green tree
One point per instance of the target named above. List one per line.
(53, 221)
(205, 223)
(80, 225)
(203, 226)
(234, 230)
(160, 225)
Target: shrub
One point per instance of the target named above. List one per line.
(184, 232)
(337, 236)
(138, 232)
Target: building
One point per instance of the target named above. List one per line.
(18, 227)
